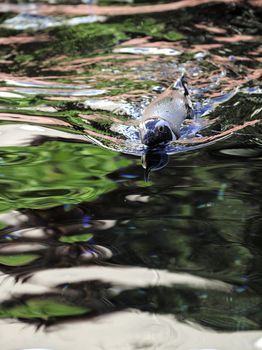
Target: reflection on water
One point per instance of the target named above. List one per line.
(153, 160)
(91, 255)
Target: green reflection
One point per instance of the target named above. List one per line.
(76, 238)
(55, 173)
(42, 309)
(17, 260)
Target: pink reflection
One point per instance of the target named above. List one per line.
(23, 39)
(209, 29)
(79, 10)
(236, 38)
(32, 119)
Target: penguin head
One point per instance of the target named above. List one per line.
(156, 132)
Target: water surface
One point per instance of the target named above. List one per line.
(91, 255)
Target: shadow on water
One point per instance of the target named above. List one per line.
(92, 254)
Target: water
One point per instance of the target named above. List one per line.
(91, 255)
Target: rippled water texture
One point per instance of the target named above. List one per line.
(91, 255)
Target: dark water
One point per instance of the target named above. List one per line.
(91, 255)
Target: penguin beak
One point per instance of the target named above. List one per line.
(152, 137)
(149, 139)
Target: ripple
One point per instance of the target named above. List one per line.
(126, 277)
(90, 92)
(117, 107)
(21, 247)
(25, 21)
(10, 159)
(126, 330)
(7, 94)
(33, 84)
(148, 51)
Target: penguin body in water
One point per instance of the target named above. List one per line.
(162, 118)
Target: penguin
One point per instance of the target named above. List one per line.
(163, 117)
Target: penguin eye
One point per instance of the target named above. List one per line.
(161, 128)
